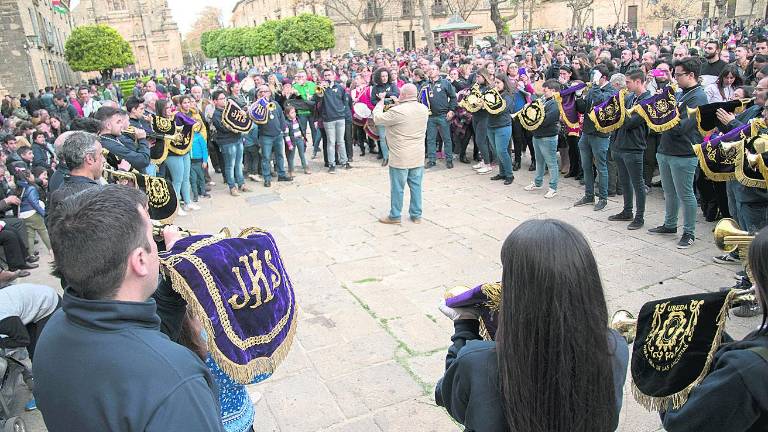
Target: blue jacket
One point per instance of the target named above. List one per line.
(42, 156)
(199, 147)
(128, 376)
(503, 118)
(30, 198)
(334, 104)
(275, 123)
(632, 136)
(551, 125)
(442, 97)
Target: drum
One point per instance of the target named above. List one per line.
(370, 130)
(360, 113)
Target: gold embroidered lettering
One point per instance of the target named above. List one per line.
(246, 296)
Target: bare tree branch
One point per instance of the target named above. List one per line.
(462, 8)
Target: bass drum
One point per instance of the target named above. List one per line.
(370, 130)
(360, 113)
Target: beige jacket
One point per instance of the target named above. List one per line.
(406, 127)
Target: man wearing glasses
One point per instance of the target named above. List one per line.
(677, 161)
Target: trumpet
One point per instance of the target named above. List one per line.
(157, 230)
(320, 90)
(176, 137)
(625, 323)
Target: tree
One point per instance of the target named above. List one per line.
(579, 10)
(462, 8)
(426, 26)
(208, 19)
(672, 9)
(363, 15)
(499, 21)
(305, 33)
(618, 9)
(97, 48)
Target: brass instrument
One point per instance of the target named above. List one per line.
(157, 230)
(729, 237)
(176, 137)
(493, 102)
(473, 102)
(625, 323)
(320, 90)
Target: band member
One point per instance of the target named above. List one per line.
(130, 153)
(545, 141)
(733, 396)
(361, 93)
(231, 144)
(333, 108)
(483, 79)
(571, 154)
(500, 129)
(382, 88)
(630, 144)
(136, 118)
(442, 104)
(271, 139)
(551, 323)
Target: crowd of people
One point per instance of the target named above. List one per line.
(409, 108)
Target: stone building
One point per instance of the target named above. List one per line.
(32, 36)
(147, 25)
(398, 22)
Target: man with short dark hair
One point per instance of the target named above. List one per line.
(122, 373)
(134, 151)
(677, 161)
(711, 68)
(63, 109)
(87, 103)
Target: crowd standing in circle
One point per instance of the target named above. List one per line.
(346, 106)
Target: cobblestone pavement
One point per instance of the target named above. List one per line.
(371, 343)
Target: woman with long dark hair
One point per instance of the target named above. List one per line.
(727, 82)
(500, 129)
(734, 396)
(554, 366)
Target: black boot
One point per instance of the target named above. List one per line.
(533, 166)
(463, 159)
(516, 165)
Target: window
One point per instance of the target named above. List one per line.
(378, 39)
(705, 9)
(33, 19)
(407, 8)
(118, 4)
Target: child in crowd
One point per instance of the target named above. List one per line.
(32, 210)
(294, 140)
(199, 165)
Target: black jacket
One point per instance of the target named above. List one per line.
(137, 379)
(595, 96)
(551, 124)
(469, 388)
(389, 88)
(442, 97)
(70, 186)
(679, 140)
(632, 136)
(333, 103)
(137, 154)
(503, 118)
(223, 135)
(732, 397)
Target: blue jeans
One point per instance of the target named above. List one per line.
(499, 139)
(397, 179)
(595, 148)
(545, 150)
(677, 180)
(298, 146)
(268, 145)
(334, 130)
(480, 126)
(630, 173)
(435, 124)
(753, 216)
(180, 167)
(233, 163)
(383, 141)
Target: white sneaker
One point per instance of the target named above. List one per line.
(194, 207)
(550, 193)
(532, 187)
(484, 170)
(211, 183)
(478, 165)
(181, 212)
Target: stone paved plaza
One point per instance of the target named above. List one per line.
(371, 343)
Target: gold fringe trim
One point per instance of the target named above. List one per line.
(622, 108)
(739, 171)
(761, 167)
(677, 400)
(244, 374)
(162, 156)
(654, 127)
(493, 292)
(559, 100)
(719, 177)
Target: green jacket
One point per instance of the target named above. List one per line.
(307, 92)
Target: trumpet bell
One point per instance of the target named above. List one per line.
(625, 324)
(727, 227)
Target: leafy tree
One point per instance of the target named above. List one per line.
(305, 33)
(97, 48)
(266, 38)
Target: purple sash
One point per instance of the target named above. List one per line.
(566, 102)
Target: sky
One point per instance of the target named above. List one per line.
(185, 11)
